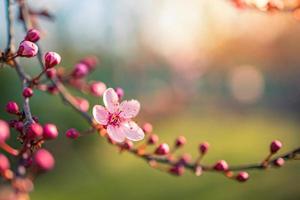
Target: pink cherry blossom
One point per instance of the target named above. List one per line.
(117, 117)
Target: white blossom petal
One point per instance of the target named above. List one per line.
(111, 100)
(132, 131)
(116, 133)
(100, 114)
(129, 109)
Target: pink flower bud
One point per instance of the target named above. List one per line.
(44, 160)
(242, 176)
(97, 88)
(162, 149)
(180, 141)
(33, 35)
(34, 130)
(72, 133)
(221, 166)
(51, 73)
(153, 139)
(27, 49)
(27, 92)
(83, 104)
(50, 131)
(4, 163)
(148, 128)
(19, 126)
(128, 145)
(279, 162)
(12, 107)
(80, 70)
(51, 59)
(203, 147)
(90, 62)
(52, 89)
(120, 93)
(4, 131)
(185, 159)
(177, 170)
(275, 146)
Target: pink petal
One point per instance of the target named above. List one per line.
(129, 109)
(100, 114)
(115, 133)
(111, 100)
(132, 131)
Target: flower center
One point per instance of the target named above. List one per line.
(114, 120)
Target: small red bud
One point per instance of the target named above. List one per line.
(52, 89)
(148, 128)
(4, 163)
(4, 131)
(19, 126)
(185, 159)
(33, 35)
(97, 88)
(12, 107)
(51, 59)
(180, 141)
(120, 92)
(44, 160)
(279, 162)
(83, 104)
(34, 130)
(72, 133)
(50, 131)
(80, 70)
(162, 149)
(275, 146)
(90, 62)
(128, 145)
(242, 176)
(27, 49)
(153, 139)
(221, 166)
(203, 147)
(51, 73)
(177, 170)
(27, 92)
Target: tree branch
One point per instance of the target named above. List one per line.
(11, 48)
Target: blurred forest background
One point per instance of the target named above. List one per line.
(202, 69)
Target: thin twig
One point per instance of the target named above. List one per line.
(11, 48)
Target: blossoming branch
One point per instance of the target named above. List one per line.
(112, 120)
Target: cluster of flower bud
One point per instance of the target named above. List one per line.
(31, 135)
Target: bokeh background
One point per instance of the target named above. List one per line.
(202, 69)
